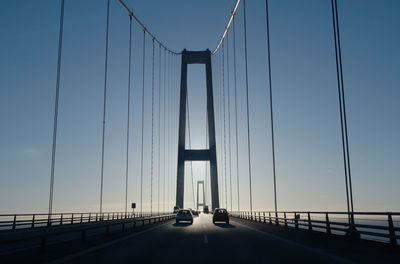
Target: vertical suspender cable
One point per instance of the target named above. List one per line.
(53, 153)
(229, 120)
(159, 127)
(342, 109)
(224, 107)
(206, 172)
(236, 114)
(174, 134)
(176, 120)
(221, 131)
(344, 113)
(104, 108)
(168, 138)
(128, 118)
(217, 124)
(221, 128)
(247, 102)
(172, 128)
(190, 147)
(141, 154)
(174, 163)
(177, 93)
(152, 133)
(271, 106)
(164, 125)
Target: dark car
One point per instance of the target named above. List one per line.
(220, 215)
(195, 212)
(184, 215)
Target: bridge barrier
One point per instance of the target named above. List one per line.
(377, 226)
(24, 227)
(23, 221)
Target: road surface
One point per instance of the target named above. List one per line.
(238, 242)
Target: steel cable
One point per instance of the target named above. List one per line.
(224, 110)
(141, 155)
(271, 106)
(168, 135)
(342, 110)
(104, 107)
(141, 25)
(164, 126)
(229, 121)
(190, 147)
(128, 116)
(53, 152)
(247, 103)
(152, 132)
(159, 128)
(236, 114)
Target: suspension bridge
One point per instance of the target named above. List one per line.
(159, 136)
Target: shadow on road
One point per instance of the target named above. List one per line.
(223, 225)
(184, 224)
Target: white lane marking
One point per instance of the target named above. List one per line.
(205, 239)
(107, 244)
(298, 245)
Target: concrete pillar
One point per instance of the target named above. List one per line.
(196, 57)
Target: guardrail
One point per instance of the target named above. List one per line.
(377, 226)
(19, 221)
(66, 225)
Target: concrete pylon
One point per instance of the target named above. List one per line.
(203, 203)
(210, 154)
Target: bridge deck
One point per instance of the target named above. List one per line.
(239, 242)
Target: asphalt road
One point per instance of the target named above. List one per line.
(239, 242)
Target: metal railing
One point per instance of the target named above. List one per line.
(43, 226)
(20, 221)
(377, 226)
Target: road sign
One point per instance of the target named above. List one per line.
(133, 205)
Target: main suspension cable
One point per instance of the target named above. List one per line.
(233, 12)
(53, 152)
(104, 107)
(140, 24)
(247, 103)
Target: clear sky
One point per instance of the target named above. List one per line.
(308, 143)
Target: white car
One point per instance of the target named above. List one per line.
(184, 215)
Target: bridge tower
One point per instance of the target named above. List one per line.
(210, 154)
(203, 203)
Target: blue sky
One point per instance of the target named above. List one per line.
(308, 151)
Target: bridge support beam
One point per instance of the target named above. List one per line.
(210, 154)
